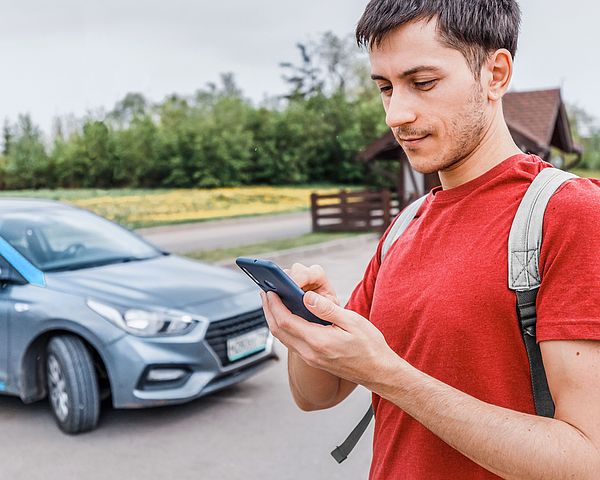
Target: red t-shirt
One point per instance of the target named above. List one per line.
(442, 301)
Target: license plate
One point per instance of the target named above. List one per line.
(247, 344)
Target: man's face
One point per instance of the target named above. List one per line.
(433, 104)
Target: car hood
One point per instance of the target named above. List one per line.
(166, 281)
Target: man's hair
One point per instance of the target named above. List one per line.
(476, 28)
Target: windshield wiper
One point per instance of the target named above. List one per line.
(130, 259)
(95, 263)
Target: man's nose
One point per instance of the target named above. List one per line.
(399, 111)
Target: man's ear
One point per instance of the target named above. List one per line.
(498, 72)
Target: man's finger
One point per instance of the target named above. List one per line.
(282, 335)
(291, 323)
(327, 310)
(299, 274)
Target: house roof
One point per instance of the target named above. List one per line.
(533, 113)
(386, 144)
(538, 116)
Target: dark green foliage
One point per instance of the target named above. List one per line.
(6, 138)
(27, 164)
(216, 137)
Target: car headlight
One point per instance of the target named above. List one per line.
(145, 323)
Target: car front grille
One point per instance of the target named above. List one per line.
(218, 332)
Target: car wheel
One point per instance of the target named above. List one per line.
(72, 384)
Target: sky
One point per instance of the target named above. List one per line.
(75, 57)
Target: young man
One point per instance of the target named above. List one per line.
(433, 331)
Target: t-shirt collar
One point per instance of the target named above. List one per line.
(439, 195)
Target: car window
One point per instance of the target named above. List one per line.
(69, 238)
(61, 235)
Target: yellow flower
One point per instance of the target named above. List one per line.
(191, 205)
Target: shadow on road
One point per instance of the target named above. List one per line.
(13, 409)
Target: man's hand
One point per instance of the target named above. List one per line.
(312, 388)
(352, 348)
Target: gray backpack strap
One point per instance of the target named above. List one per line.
(524, 244)
(341, 452)
(400, 225)
(525, 237)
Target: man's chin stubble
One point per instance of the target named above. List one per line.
(433, 166)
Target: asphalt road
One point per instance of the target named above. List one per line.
(250, 431)
(228, 233)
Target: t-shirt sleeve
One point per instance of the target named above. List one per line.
(361, 298)
(568, 303)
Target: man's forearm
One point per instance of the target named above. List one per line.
(312, 388)
(510, 444)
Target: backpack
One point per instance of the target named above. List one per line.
(524, 244)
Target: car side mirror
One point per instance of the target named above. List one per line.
(9, 275)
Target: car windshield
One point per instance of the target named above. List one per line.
(58, 239)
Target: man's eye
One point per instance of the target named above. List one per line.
(385, 89)
(425, 85)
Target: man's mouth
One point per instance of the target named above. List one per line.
(412, 141)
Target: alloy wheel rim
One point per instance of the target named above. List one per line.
(58, 389)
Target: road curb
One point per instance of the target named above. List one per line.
(288, 255)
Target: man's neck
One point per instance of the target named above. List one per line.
(496, 146)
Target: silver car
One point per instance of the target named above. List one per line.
(89, 310)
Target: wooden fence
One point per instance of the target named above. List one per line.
(353, 211)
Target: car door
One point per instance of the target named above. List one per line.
(10, 280)
(4, 303)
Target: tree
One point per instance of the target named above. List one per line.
(586, 132)
(27, 162)
(6, 137)
(327, 66)
(177, 132)
(138, 149)
(125, 111)
(304, 79)
(224, 142)
(339, 58)
(88, 158)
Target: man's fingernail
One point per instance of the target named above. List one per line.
(311, 298)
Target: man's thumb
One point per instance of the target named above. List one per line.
(322, 307)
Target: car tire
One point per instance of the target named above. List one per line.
(72, 384)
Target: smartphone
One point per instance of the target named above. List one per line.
(271, 278)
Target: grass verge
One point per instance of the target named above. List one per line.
(219, 254)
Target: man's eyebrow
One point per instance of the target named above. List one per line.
(407, 73)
